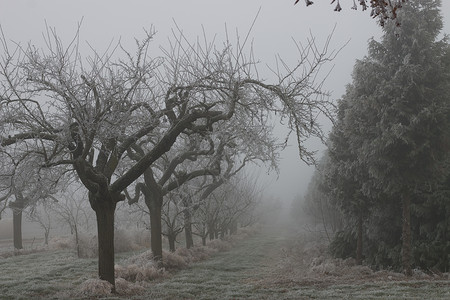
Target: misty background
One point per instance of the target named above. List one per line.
(278, 24)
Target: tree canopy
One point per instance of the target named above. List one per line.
(380, 9)
(389, 148)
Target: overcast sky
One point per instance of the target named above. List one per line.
(277, 24)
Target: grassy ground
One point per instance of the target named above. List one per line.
(266, 266)
(42, 274)
(257, 269)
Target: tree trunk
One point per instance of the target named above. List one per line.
(359, 243)
(17, 228)
(155, 230)
(188, 228)
(204, 234)
(233, 227)
(406, 235)
(77, 241)
(46, 234)
(171, 237)
(104, 211)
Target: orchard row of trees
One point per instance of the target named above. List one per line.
(387, 168)
(234, 203)
(168, 128)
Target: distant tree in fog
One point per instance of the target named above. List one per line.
(318, 204)
(25, 185)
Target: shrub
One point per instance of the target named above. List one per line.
(88, 245)
(248, 231)
(219, 245)
(135, 273)
(95, 288)
(343, 245)
(173, 261)
(141, 259)
(60, 243)
(202, 253)
(124, 287)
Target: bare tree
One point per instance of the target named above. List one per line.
(70, 209)
(166, 176)
(42, 215)
(6, 172)
(25, 185)
(172, 218)
(85, 113)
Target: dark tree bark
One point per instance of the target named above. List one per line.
(153, 196)
(188, 223)
(211, 231)
(171, 236)
(359, 243)
(17, 228)
(46, 235)
(406, 235)
(233, 227)
(203, 234)
(17, 207)
(77, 240)
(155, 208)
(104, 208)
(188, 233)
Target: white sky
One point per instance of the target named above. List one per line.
(278, 23)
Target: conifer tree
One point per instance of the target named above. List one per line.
(397, 113)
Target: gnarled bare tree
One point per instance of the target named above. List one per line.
(85, 112)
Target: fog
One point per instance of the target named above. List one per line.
(277, 24)
(277, 258)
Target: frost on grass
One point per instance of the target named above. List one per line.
(124, 287)
(57, 243)
(248, 231)
(173, 261)
(61, 243)
(304, 260)
(139, 268)
(138, 273)
(195, 254)
(220, 245)
(102, 288)
(95, 288)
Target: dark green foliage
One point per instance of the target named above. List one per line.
(431, 230)
(343, 244)
(389, 149)
(383, 237)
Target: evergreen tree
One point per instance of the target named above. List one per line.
(346, 177)
(396, 121)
